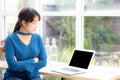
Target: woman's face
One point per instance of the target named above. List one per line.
(31, 26)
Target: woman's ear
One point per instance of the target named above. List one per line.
(24, 22)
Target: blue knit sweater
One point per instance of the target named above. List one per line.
(25, 54)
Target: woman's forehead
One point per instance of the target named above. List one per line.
(36, 18)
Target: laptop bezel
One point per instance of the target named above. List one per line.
(86, 50)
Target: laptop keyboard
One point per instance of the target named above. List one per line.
(70, 69)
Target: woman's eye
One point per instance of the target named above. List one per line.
(34, 23)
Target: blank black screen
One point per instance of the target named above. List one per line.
(81, 59)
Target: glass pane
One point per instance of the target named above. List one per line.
(102, 5)
(103, 35)
(58, 5)
(10, 23)
(16, 5)
(62, 29)
(11, 5)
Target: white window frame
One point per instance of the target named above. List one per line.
(2, 30)
(79, 25)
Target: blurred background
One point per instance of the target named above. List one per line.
(69, 24)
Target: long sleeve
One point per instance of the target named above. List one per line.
(42, 56)
(27, 65)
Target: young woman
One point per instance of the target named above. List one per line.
(24, 49)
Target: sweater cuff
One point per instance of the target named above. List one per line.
(30, 65)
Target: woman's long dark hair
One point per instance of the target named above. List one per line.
(26, 14)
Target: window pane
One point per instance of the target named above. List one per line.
(10, 23)
(16, 5)
(58, 5)
(103, 35)
(102, 5)
(63, 30)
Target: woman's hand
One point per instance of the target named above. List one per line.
(36, 59)
(15, 58)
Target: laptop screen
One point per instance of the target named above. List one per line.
(81, 58)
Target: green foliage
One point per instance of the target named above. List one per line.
(104, 3)
(97, 32)
(96, 4)
(65, 54)
(53, 78)
(10, 28)
(66, 30)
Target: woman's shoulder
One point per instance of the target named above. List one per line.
(10, 36)
(36, 35)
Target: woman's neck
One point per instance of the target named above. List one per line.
(22, 31)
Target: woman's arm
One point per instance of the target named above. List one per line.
(42, 56)
(27, 65)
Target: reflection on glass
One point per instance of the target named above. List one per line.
(103, 35)
(58, 5)
(63, 30)
(101, 4)
(10, 23)
(16, 5)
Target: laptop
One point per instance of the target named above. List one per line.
(79, 62)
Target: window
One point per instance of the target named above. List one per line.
(58, 5)
(101, 5)
(58, 22)
(101, 30)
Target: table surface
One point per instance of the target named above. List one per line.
(93, 73)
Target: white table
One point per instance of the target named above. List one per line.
(93, 73)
